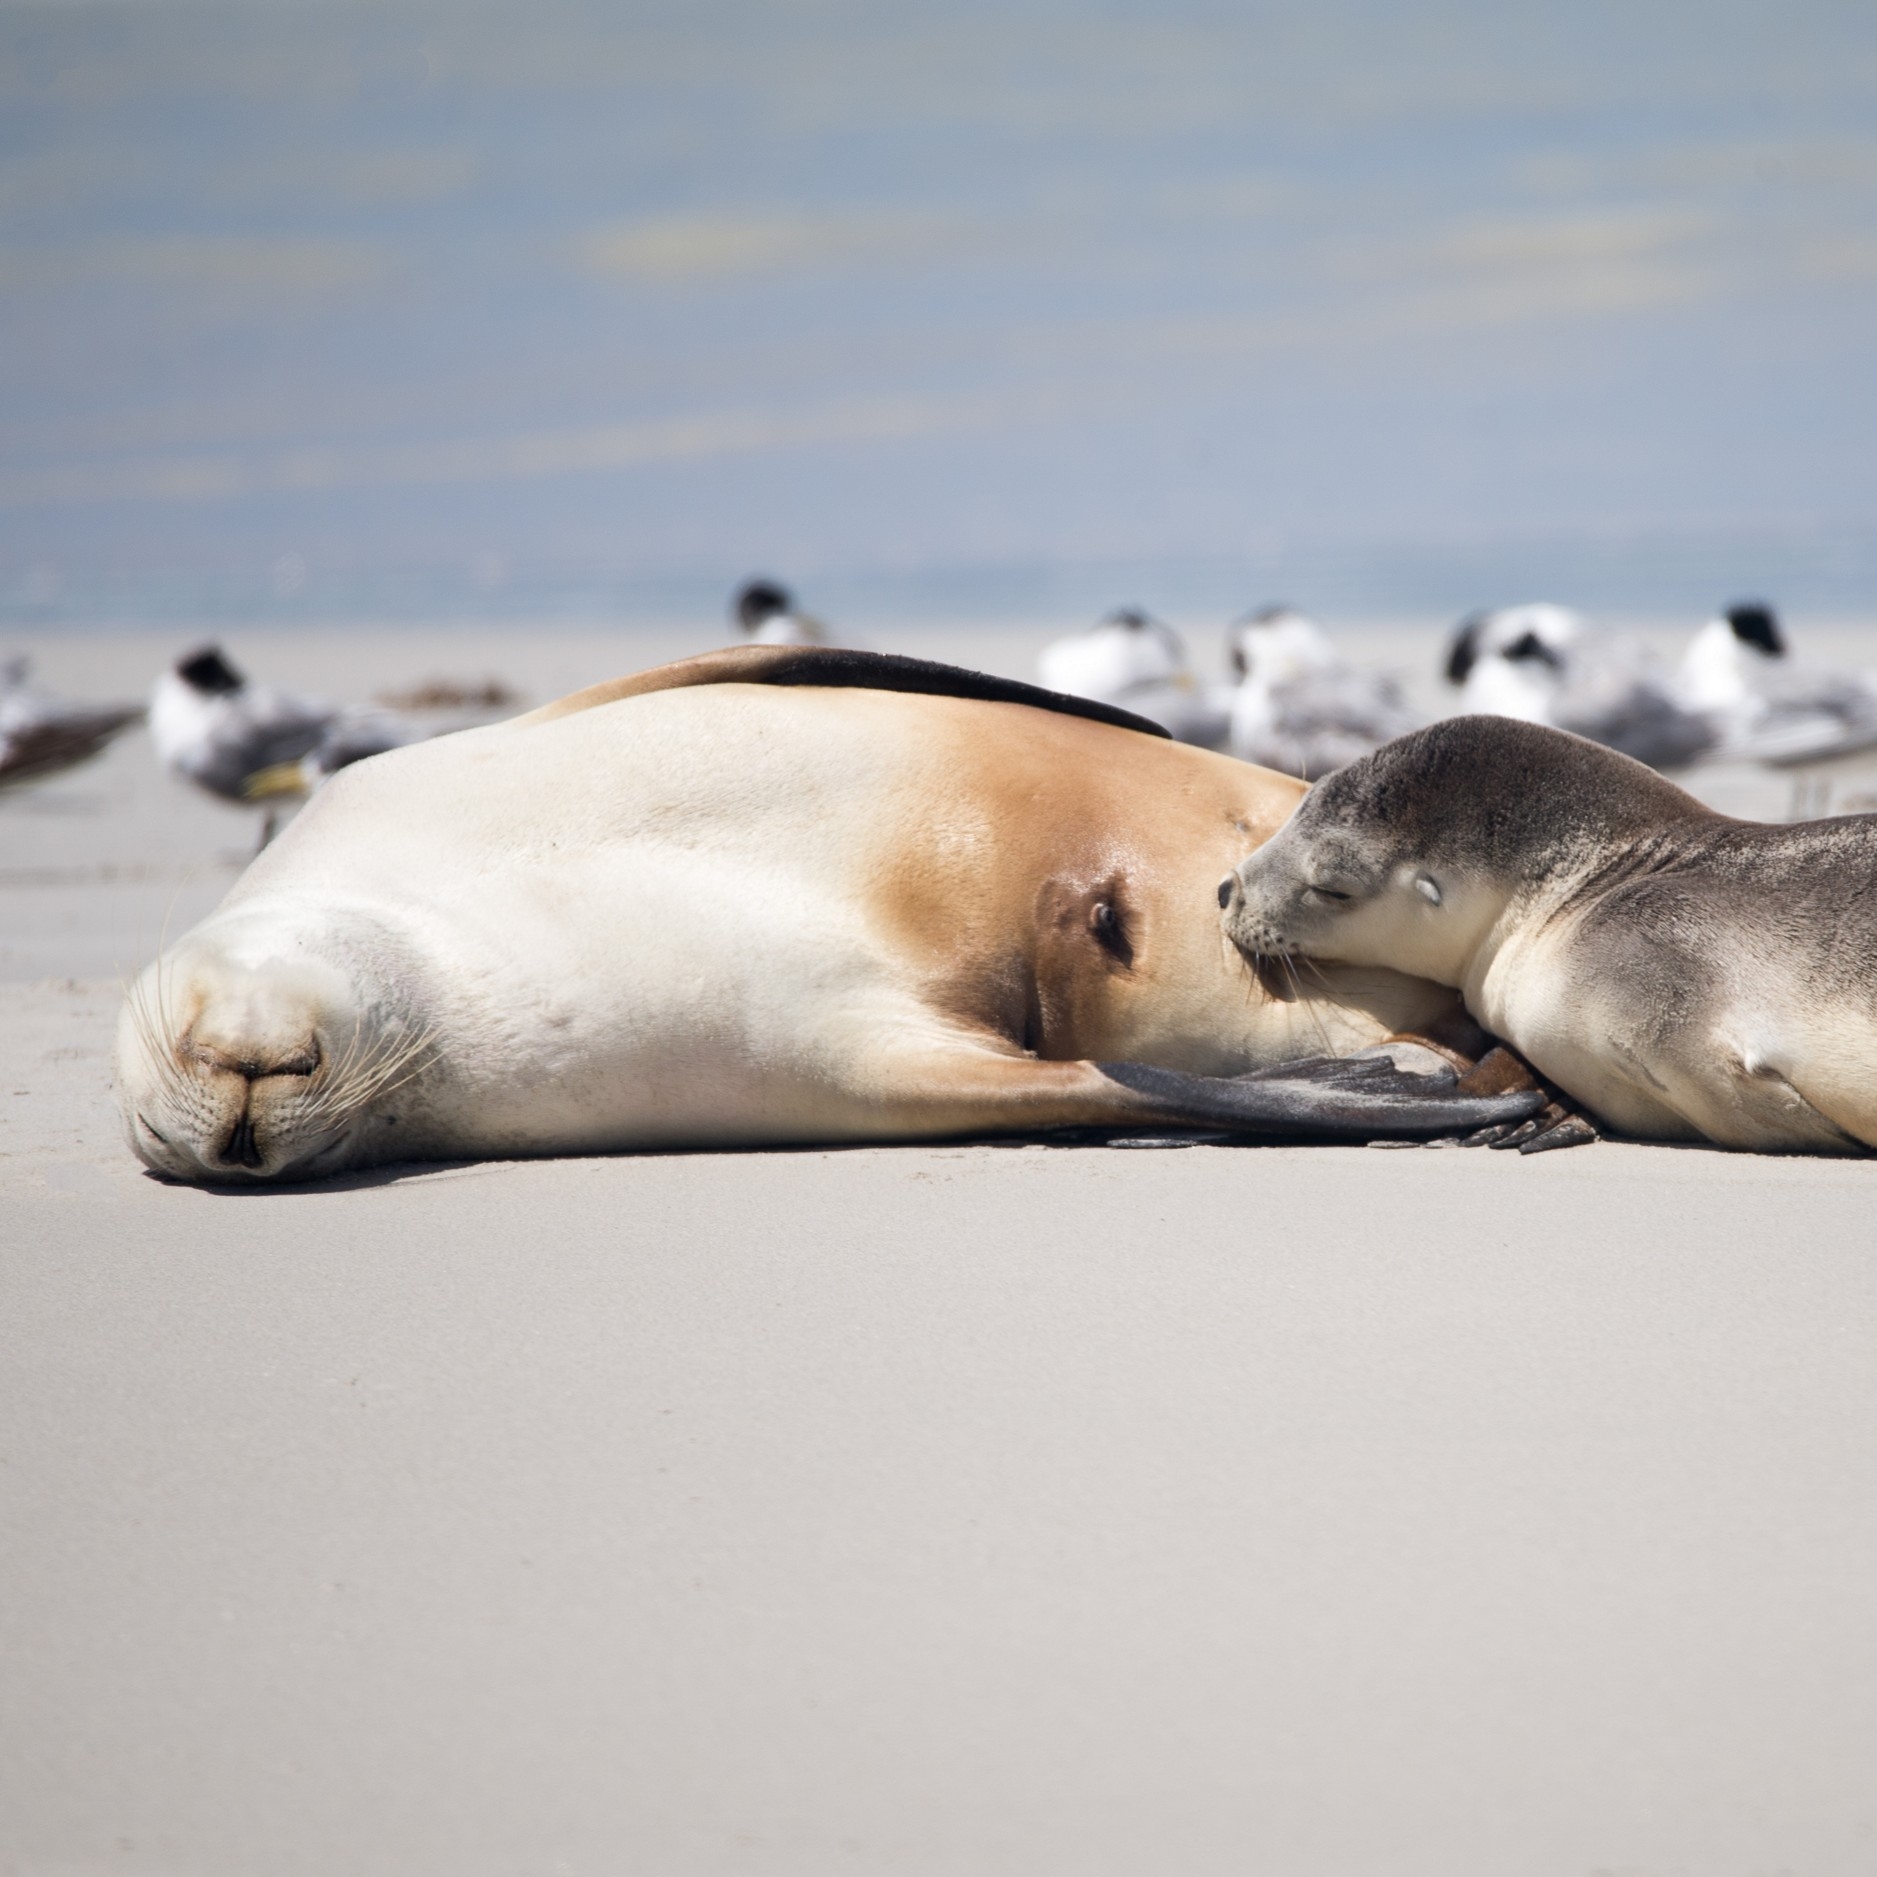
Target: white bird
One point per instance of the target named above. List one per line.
(1769, 707)
(1530, 632)
(41, 735)
(1134, 661)
(1300, 706)
(1548, 664)
(768, 613)
(215, 729)
(244, 742)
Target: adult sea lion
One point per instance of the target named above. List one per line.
(766, 895)
(1684, 975)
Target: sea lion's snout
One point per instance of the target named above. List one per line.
(1277, 902)
(246, 1067)
(240, 1067)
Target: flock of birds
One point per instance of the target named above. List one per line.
(1291, 701)
(1295, 703)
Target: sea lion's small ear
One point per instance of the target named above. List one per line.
(1428, 887)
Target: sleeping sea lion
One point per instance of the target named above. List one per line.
(768, 895)
(1684, 975)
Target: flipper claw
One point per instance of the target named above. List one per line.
(1573, 1131)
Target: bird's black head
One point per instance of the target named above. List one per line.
(1264, 616)
(208, 671)
(1755, 624)
(1463, 652)
(759, 600)
(1528, 648)
(1139, 619)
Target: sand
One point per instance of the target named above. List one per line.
(1001, 1510)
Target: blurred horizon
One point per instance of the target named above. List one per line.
(410, 310)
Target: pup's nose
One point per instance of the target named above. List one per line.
(1227, 888)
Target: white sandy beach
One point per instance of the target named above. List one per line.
(978, 1510)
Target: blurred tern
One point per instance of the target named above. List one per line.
(1138, 662)
(41, 735)
(1770, 708)
(1300, 706)
(768, 614)
(215, 729)
(1547, 664)
(242, 742)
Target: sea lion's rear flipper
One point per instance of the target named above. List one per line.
(1363, 1097)
(835, 668)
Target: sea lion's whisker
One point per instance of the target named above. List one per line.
(1316, 1019)
(363, 1077)
(337, 1073)
(345, 1089)
(165, 1046)
(377, 1077)
(410, 1075)
(386, 1083)
(1315, 967)
(161, 1048)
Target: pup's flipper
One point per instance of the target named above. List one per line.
(1559, 1123)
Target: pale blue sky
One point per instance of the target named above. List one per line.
(322, 306)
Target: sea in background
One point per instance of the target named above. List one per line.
(583, 313)
(1829, 577)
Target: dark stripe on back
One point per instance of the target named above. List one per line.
(834, 667)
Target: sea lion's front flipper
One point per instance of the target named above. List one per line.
(1362, 1097)
(1559, 1123)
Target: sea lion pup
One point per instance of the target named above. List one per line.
(763, 896)
(1684, 975)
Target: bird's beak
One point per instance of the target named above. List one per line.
(273, 782)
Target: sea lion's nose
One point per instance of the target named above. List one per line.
(253, 1064)
(241, 1149)
(1227, 887)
